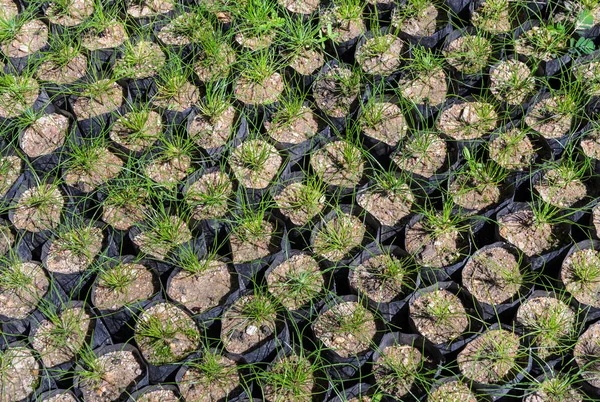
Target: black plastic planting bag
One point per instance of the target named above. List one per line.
(357, 391)
(443, 27)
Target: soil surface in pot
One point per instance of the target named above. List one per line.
(342, 30)
(348, 229)
(247, 246)
(306, 60)
(169, 170)
(512, 149)
(590, 143)
(395, 359)
(380, 55)
(28, 39)
(166, 334)
(435, 250)
(7, 239)
(147, 8)
(452, 391)
(73, 70)
(209, 195)
(511, 81)
(465, 53)
(255, 163)
(262, 92)
(554, 389)
(296, 281)
(467, 120)
(151, 242)
(541, 43)
(294, 129)
(428, 88)
(547, 118)
(112, 35)
(384, 122)
(388, 207)
(159, 395)
(474, 191)
(89, 105)
(181, 99)
(339, 163)
(587, 354)
(64, 397)
(579, 274)
(493, 17)
(419, 22)
(521, 229)
(75, 13)
(34, 217)
(65, 255)
(100, 166)
(19, 301)
(127, 132)
(558, 190)
(215, 64)
(333, 96)
(213, 131)
(300, 6)
(123, 284)
(200, 384)
(44, 135)
(292, 202)
(14, 101)
(424, 154)
(10, 167)
(347, 328)
(20, 374)
(122, 214)
(291, 379)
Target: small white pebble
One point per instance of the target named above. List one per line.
(251, 330)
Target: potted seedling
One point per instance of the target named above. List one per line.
(89, 164)
(303, 7)
(497, 17)
(468, 54)
(21, 373)
(94, 102)
(103, 32)
(467, 119)
(554, 386)
(551, 323)
(423, 82)
(336, 89)
(379, 53)
(165, 333)
(109, 372)
(589, 141)
(404, 365)
(136, 130)
(37, 206)
(183, 32)
(511, 81)
(251, 328)
(64, 63)
(43, 133)
(69, 13)
(217, 57)
(17, 94)
(259, 81)
(175, 91)
(210, 374)
(479, 184)
(201, 283)
(171, 160)
(580, 272)
(125, 201)
(138, 65)
(342, 23)
(425, 22)
(22, 36)
(585, 73)
(11, 167)
(497, 276)
(208, 193)
(296, 281)
(255, 162)
(439, 239)
(453, 389)
(257, 24)
(585, 354)
(300, 198)
(150, 10)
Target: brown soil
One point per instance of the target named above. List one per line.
(389, 208)
(199, 386)
(181, 335)
(64, 255)
(32, 36)
(511, 81)
(528, 46)
(491, 21)
(255, 176)
(589, 73)
(254, 43)
(464, 45)
(210, 69)
(240, 332)
(18, 302)
(9, 9)
(378, 63)
(550, 320)
(126, 215)
(329, 94)
(422, 24)
(301, 127)
(169, 171)
(289, 201)
(342, 30)
(77, 12)
(259, 93)
(590, 144)
(432, 250)
(452, 391)
(512, 150)
(20, 374)
(201, 291)
(471, 193)
(44, 135)
(520, 229)
(106, 166)
(295, 380)
(28, 91)
(247, 247)
(11, 167)
(439, 316)
(213, 132)
(558, 191)
(64, 397)
(587, 354)
(347, 227)
(150, 243)
(159, 395)
(492, 275)
(374, 279)
(396, 359)
(335, 168)
(7, 239)
(187, 96)
(423, 154)
(428, 89)
(113, 35)
(147, 8)
(119, 371)
(306, 61)
(65, 74)
(462, 122)
(584, 289)
(491, 357)
(555, 126)
(135, 140)
(554, 390)
(86, 107)
(58, 343)
(140, 285)
(348, 328)
(35, 218)
(300, 6)
(391, 126)
(169, 35)
(211, 185)
(150, 57)
(296, 281)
